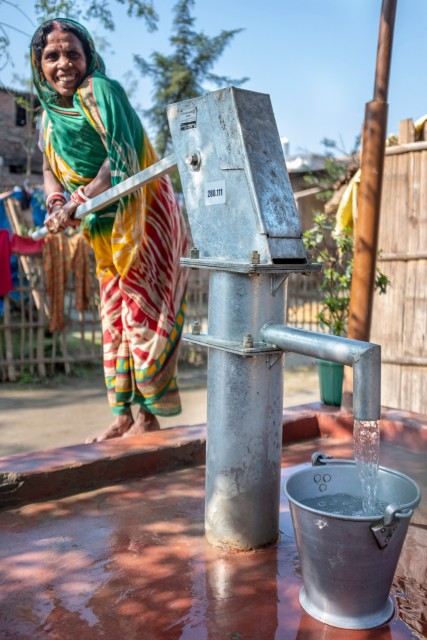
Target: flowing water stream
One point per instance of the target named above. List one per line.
(366, 443)
(366, 439)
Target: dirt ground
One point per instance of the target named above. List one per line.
(66, 410)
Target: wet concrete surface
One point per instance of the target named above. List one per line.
(131, 561)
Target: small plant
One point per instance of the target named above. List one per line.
(334, 250)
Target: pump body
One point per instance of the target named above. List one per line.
(246, 231)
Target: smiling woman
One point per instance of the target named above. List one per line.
(92, 139)
(59, 46)
(64, 64)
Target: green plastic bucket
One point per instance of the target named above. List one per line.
(330, 378)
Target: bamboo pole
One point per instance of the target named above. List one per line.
(372, 164)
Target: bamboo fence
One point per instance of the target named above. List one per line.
(26, 345)
(399, 320)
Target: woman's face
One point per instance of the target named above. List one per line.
(64, 64)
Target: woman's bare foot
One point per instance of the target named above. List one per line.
(118, 428)
(144, 422)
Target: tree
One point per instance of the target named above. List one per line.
(76, 9)
(178, 76)
(182, 74)
(97, 9)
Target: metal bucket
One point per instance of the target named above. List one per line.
(348, 562)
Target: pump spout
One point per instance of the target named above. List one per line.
(364, 357)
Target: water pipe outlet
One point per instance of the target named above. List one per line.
(364, 357)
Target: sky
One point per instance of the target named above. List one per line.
(315, 58)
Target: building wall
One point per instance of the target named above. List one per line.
(14, 138)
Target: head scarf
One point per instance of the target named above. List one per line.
(47, 95)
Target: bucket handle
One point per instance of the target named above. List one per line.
(320, 457)
(397, 511)
(384, 531)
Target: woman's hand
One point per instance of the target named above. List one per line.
(61, 217)
(68, 211)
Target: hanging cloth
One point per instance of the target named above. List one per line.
(6, 284)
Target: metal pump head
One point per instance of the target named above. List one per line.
(237, 189)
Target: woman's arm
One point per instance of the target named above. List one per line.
(101, 182)
(51, 182)
(62, 217)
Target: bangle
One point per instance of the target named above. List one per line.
(54, 202)
(81, 192)
(56, 196)
(78, 196)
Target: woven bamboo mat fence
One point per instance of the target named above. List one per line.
(399, 320)
(303, 301)
(26, 345)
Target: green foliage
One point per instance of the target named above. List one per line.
(4, 48)
(182, 74)
(57, 375)
(96, 9)
(334, 250)
(381, 282)
(332, 146)
(77, 10)
(336, 170)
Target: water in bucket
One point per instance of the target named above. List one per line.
(366, 438)
(344, 504)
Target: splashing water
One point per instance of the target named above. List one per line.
(366, 438)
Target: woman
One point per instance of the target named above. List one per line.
(92, 139)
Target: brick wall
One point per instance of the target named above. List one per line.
(13, 138)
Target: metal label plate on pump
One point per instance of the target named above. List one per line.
(215, 192)
(188, 118)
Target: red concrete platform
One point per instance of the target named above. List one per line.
(129, 559)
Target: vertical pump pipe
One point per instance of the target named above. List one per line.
(245, 407)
